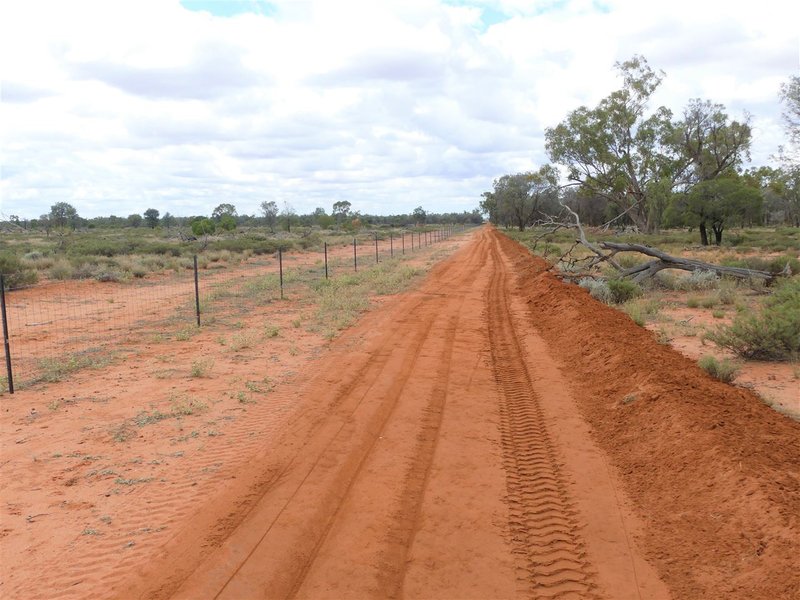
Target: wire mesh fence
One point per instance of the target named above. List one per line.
(57, 327)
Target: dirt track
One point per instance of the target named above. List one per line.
(496, 433)
(446, 456)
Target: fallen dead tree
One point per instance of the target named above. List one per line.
(607, 251)
(665, 261)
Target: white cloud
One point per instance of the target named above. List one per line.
(119, 106)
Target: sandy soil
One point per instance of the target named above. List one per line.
(494, 433)
(778, 384)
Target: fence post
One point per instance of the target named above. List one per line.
(326, 260)
(196, 291)
(355, 256)
(280, 269)
(6, 344)
(376, 248)
(391, 246)
(403, 241)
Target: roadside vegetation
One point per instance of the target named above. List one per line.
(658, 214)
(61, 245)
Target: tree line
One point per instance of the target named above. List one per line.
(225, 217)
(629, 165)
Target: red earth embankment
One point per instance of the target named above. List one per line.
(714, 472)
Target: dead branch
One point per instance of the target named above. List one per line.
(666, 261)
(661, 261)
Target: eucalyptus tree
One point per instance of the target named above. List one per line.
(151, 217)
(517, 199)
(618, 150)
(270, 211)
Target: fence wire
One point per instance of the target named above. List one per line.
(61, 326)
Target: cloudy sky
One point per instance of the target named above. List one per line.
(116, 106)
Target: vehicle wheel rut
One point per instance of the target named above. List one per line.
(550, 553)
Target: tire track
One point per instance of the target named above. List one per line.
(548, 548)
(344, 455)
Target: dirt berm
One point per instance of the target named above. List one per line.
(713, 472)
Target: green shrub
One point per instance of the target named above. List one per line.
(84, 271)
(725, 370)
(623, 290)
(598, 289)
(773, 334)
(61, 269)
(780, 264)
(709, 302)
(109, 276)
(628, 260)
(551, 249)
(14, 272)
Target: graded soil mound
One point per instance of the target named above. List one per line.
(712, 470)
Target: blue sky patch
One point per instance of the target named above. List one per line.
(230, 8)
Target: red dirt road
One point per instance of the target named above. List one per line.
(497, 433)
(451, 452)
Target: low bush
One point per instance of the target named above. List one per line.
(727, 292)
(623, 290)
(699, 280)
(597, 288)
(628, 260)
(61, 269)
(551, 250)
(14, 272)
(773, 334)
(724, 370)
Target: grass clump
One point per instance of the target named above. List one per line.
(53, 369)
(181, 406)
(724, 370)
(772, 334)
(201, 367)
(623, 290)
(709, 302)
(640, 311)
(242, 341)
(727, 292)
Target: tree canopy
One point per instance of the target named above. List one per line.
(151, 217)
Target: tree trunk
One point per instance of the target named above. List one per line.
(717, 234)
(703, 234)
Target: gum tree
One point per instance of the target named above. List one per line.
(616, 150)
(151, 217)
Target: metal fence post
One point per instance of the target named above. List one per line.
(376, 248)
(280, 269)
(196, 291)
(326, 260)
(403, 241)
(355, 256)
(391, 246)
(6, 344)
